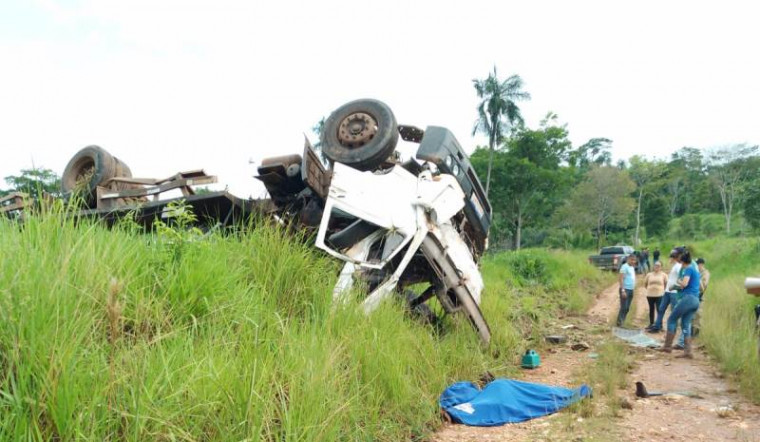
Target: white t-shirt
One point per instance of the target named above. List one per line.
(673, 276)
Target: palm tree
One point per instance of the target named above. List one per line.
(497, 111)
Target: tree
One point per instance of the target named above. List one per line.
(752, 205)
(33, 181)
(595, 151)
(728, 169)
(645, 175)
(655, 216)
(527, 180)
(603, 198)
(687, 184)
(497, 111)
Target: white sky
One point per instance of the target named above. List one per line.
(180, 84)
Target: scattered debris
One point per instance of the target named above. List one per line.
(636, 338)
(555, 339)
(593, 355)
(642, 392)
(726, 411)
(580, 346)
(569, 326)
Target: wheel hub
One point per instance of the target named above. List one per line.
(357, 129)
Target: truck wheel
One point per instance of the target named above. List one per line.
(361, 134)
(90, 168)
(421, 311)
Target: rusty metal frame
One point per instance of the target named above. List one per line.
(109, 199)
(14, 201)
(313, 172)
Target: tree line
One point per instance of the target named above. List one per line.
(545, 191)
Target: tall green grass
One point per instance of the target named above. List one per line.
(112, 334)
(728, 320)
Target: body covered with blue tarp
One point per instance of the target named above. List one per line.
(505, 401)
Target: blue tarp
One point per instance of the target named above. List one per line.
(506, 401)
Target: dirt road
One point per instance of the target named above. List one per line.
(711, 410)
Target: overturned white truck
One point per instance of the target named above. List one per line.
(415, 228)
(398, 226)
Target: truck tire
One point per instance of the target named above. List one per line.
(361, 134)
(89, 168)
(423, 312)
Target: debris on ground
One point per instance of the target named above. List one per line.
(555, 339)
(635, 338)
(626, 404)
(642, 392)
(580, 346)
(725, 412)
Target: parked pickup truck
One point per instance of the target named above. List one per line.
(610, 258)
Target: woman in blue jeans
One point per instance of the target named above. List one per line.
(686, 306)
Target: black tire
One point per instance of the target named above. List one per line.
(370, 147)
(90, 168)
(422, 311)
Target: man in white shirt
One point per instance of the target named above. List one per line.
(627, 280)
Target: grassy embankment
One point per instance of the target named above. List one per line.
(728, 320)
(114, 334)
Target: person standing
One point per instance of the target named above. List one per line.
(705, 278)
(669, 298)
(656, 254)
(637, 257)
(627, 281)
(645, 265)
(655, 283)
(686, 306)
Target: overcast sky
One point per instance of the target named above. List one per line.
(178, 85)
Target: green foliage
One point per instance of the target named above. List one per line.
(698, 226)
(728, 320)
(600, 200)
(564, 238)
(177, 235)
(595, 152)
(527, 179)
(655, 216)
(752, 205)
(498, 112)
(528, 267)
(34, 182)
(104, 335)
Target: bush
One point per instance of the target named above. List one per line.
(528, 267)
